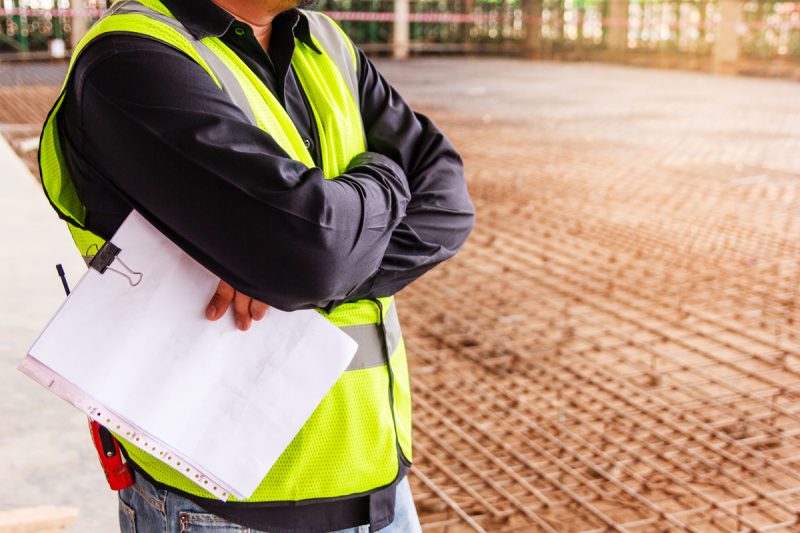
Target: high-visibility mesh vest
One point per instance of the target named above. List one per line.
(360, 434)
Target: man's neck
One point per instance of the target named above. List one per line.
(257, 13)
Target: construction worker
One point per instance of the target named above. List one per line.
(255, 135)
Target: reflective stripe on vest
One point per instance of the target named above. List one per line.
(370, 342)
(225, 77)
(361, 431)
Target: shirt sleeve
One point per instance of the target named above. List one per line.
(151, 127)
(440, 214)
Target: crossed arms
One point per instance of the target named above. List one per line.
(157, 135)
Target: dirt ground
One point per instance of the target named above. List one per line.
(616, 348)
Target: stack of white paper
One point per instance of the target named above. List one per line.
(224, 403)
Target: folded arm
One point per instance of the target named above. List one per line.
(440, 215)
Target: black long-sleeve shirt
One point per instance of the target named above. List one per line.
(145, 127)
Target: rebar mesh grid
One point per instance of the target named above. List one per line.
(616, 347)
(614, 350)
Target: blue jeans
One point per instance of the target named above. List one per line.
(145, 509)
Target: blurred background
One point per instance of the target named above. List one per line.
(760, 37)
(616, 347)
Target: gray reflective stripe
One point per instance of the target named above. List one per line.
(230, 85)
(226, 78)
(334, 44)
(370, 342)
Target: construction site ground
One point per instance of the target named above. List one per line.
(616, 347)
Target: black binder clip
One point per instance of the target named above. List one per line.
(106, 255)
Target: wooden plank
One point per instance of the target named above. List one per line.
(42, 519)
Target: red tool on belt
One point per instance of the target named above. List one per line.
(118, 473)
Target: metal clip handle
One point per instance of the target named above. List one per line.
(106, 255)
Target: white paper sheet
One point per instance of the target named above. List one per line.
(229, 401)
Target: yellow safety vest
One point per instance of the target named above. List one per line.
(360, 434)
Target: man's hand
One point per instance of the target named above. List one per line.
(245, 309)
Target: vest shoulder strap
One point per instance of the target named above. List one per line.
(324, 30)
(225, 78)
(337, 45)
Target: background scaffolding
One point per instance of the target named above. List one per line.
(755, 36)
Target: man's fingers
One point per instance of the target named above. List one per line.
(258, 309)
(220, 301)
(245, 309)
(241, 311)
